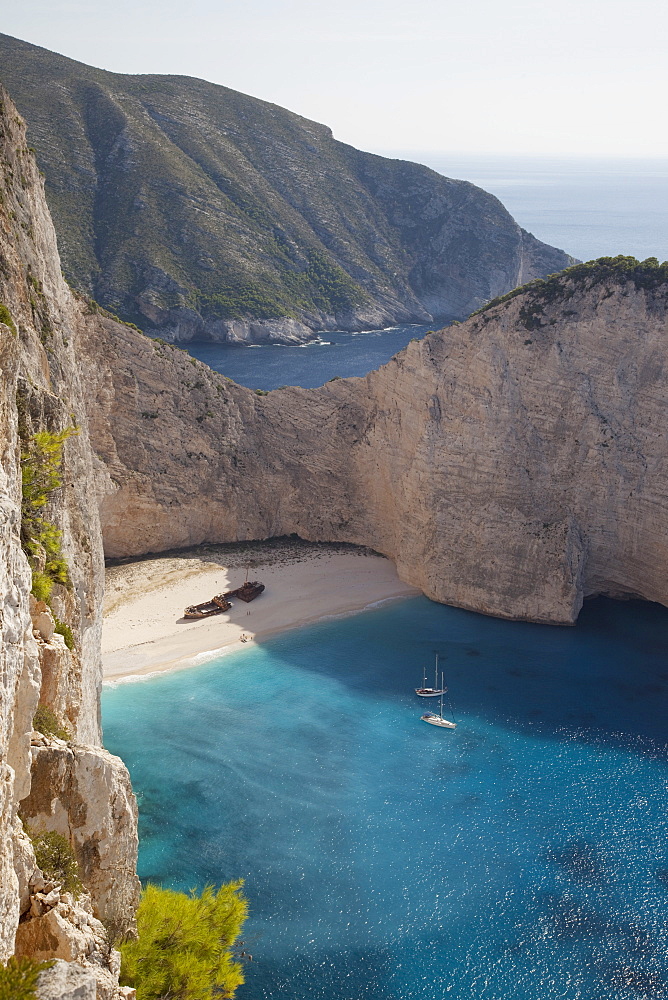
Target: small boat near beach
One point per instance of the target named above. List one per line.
(216, 606)
(429, 692)
(439, 720)
(248, 591)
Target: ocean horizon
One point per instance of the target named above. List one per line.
(588, 206)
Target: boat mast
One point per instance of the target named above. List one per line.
(436, 675)
(441, 708)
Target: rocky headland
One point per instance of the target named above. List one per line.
(200, 213)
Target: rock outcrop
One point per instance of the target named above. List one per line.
(84, 794)
(40, 391)
(513, 464)
(203, 214)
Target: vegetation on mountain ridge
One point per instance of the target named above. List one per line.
(179, 202)
(649, 274)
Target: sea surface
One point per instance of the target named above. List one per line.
(269, 366)
(589, 208)
(523, 855)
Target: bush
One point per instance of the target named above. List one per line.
(6, 318)
(42, 585)
(18, 979)
(46, 721)
(185, 945)
(41, 459)
(62, 628)
(54, 855)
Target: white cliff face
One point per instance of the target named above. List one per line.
(40, 390)
(84, 794)
(513, 464)
(19, 668)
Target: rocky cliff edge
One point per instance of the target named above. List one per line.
(49, 653)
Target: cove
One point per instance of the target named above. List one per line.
(523, 855)
(332, 355)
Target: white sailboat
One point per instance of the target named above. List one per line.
(438, 720)
(427, 692)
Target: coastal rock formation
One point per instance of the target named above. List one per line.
(61, 927)
(68, 981)
(513, 464)
(203, 214)
(40, 393)
(84, 794)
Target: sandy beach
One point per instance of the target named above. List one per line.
(144, 630)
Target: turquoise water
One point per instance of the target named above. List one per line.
(523, 855)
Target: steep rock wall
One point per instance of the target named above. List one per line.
(40, 390)
(512, 464)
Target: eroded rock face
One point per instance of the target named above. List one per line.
(512, 464)
(67, 981)
(19, 671)
(64, 928)
(40, 390)
(84, 794)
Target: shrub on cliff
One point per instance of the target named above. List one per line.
(6, 318)
(18, 979)
(55, 857)
(46, 721)
(41, 458)
(185, 946)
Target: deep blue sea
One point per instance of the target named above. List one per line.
(524, 855)
(269, 366)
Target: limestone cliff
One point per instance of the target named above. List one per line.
(66, 786)
(513, 464)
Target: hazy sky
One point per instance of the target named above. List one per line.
(572, 77)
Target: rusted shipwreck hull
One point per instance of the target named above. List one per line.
(215, 606)
(248, 591)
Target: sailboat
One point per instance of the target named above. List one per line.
(438, 720)
(427, 692)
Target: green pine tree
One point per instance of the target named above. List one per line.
(185, 946)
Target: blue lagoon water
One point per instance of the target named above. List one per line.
(524, 855)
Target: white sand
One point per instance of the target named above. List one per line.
(144, 630)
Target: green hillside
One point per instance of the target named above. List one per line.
(185, 206)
